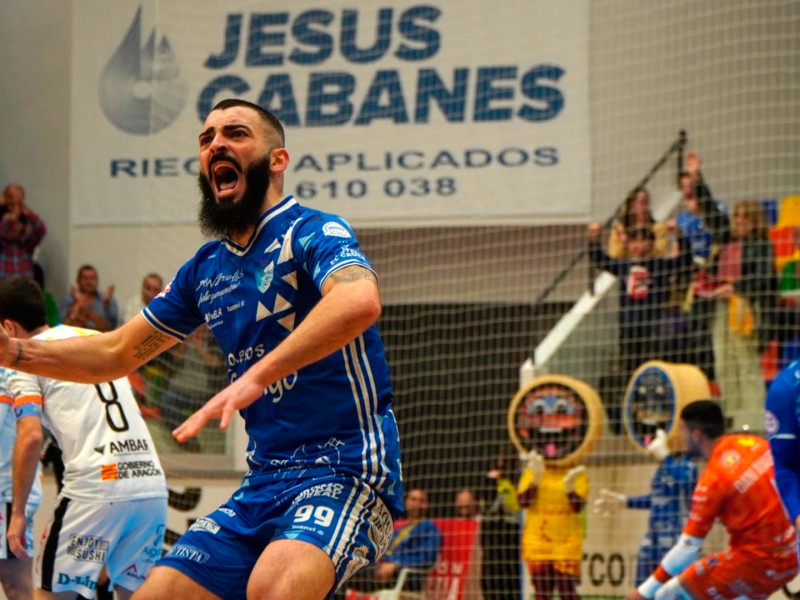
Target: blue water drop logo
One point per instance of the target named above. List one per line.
(140, 90)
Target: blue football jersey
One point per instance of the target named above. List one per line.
(781, 422)
(332, 415)
(670, 496)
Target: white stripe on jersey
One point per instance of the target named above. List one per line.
(378, 445)
(364, 504)
(345, 512)
(161, 326)
(359, 411)
(370, 405)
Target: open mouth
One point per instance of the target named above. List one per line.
(225, 178)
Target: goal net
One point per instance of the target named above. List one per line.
(470, 144)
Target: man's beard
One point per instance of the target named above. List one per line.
(227, 218)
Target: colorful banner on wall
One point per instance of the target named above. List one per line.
(397, 113)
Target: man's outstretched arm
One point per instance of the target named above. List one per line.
(87, 359)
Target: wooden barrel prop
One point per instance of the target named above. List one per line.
(558, 416)
(654, 397)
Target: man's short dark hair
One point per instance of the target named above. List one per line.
(267, 116)
(22, 300)
(705, 415)
(84, 268)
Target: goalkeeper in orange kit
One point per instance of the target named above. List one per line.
(738, 486)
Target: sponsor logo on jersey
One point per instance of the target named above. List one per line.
(234, 307)
(205, 524)
(331, 490)
(278, 388)
(84, 580)
(246, 354)
(347, 253)
(209, 285)
(771, 423)
(109, 472)
(189, 553)
(166, 290)
(88, 548)
(129, 446)
(227, 511)
(137, 468)
(760, 466)
(132, 572)
(333, 229)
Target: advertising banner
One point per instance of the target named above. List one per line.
(396, 113)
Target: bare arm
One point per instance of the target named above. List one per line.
(350, 304)
(87, 359)
(26, 458)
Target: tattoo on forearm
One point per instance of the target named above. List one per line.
(18, 357)
(149, 346)
(353, 273)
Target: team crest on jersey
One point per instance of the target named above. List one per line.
(264, 278)
(333, 229)
(729, 458)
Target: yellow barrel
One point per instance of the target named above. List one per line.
(559, 416)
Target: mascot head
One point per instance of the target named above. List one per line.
(557, 416)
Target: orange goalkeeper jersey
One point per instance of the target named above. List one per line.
(738, 486)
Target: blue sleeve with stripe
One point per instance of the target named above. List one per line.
(781, 427)
(642, 502)
(326, 243)
(174, 311)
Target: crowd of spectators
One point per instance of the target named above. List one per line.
(700, 288)
(174, 385)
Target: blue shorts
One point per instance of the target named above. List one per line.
(340, 515)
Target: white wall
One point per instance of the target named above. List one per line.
(35, 38)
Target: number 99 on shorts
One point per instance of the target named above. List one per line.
(355, 189)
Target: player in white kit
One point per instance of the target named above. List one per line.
(15, 573)
(112, 509)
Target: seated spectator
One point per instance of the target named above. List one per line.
(745, 296)
(415, 544)
(637, 214)
(466, 504)
(644, 286)
(152, 284)
(85, 307)
(21, 231)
